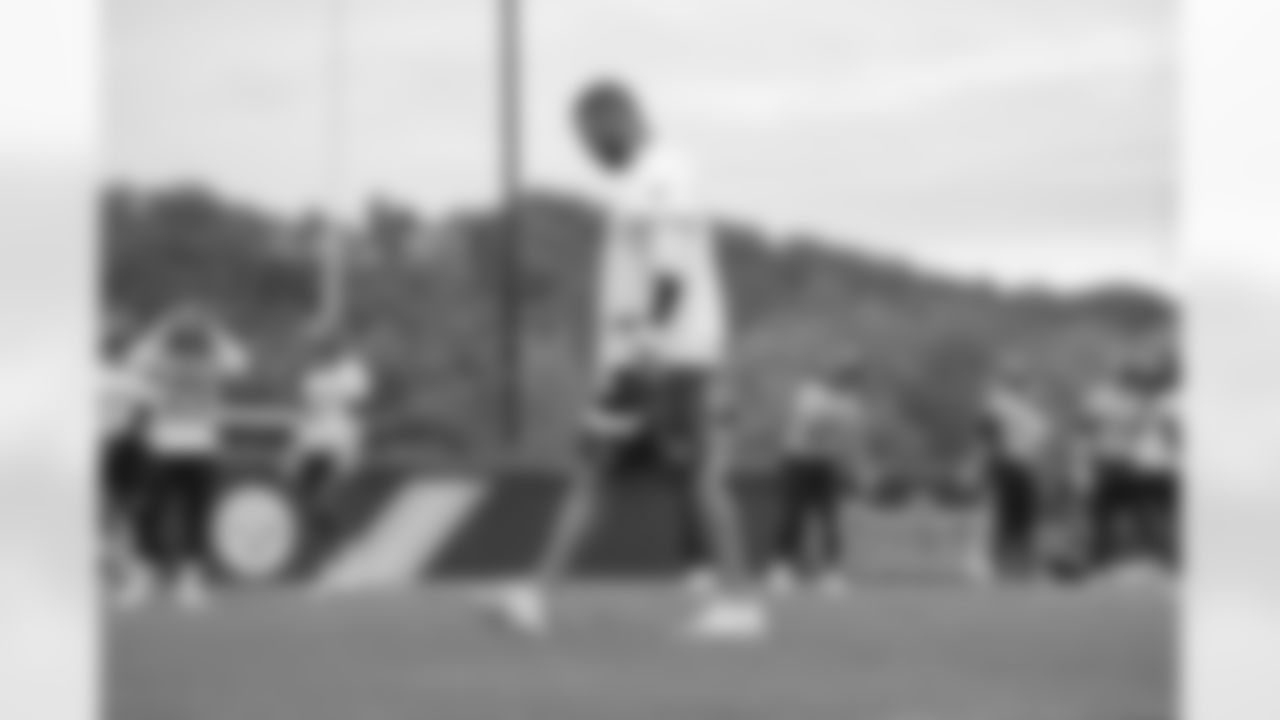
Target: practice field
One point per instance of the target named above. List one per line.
(907, 652)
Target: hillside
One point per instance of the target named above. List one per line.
(423, 297)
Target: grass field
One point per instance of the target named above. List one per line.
(904, 652)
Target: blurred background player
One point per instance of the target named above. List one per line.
(123, 463)
(826, 428)
(327, 446)
(662, 341)
(187, 362)
(1133, 451)
(1166, 460)
(1017, 431)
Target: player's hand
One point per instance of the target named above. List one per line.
(668, 293)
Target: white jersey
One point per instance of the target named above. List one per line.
(656, 228)
(333, 395)
(823, 420)
(122, 396)
(1022, 429)
(1131, 428)
(187, 394)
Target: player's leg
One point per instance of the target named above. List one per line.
(1111, 522)
(810, 512)
(179, 521)
(1156, 502)
(979, 476)
(524, 604)
(1000, 535)
(313, 476)
(1098, 521)
(786, 556)
(1013, 518)
(112, 524)
(1129, 514)
(125, 470)
(733, 611)
(1031, 526)
(1144, 549)
(576, 517)
(829, 524)
(198, 475)
(1030, 520)
(692, 542)
(1138, 505)
(1171, 520)
(159, 531)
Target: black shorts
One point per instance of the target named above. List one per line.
(671, 412)
(1134, 491)
(814, 477)
(123, 472)
(1123, 487)
(177, 517)
(1016, 503)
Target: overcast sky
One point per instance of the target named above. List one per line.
(1024, 138)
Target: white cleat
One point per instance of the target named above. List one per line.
(523, 609)
(738, 620)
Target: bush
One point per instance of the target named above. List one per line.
(424, 297)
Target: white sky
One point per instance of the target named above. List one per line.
(1021, 138)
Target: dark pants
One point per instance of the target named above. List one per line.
(693, 548)
(316, 482)
(1134, 512)
(177, 516)
(124, 475)
(1015, 516)
(811, 502)
(1165, 500)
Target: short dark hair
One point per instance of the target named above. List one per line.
(606, 94)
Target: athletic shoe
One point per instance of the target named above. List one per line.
(523, 609)
(729, 620)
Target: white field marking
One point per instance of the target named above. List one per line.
(413, 529)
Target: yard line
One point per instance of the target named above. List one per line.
(413, 530)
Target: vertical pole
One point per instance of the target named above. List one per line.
(333, 249)
(509, 316)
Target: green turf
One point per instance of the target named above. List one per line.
(904, 653)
